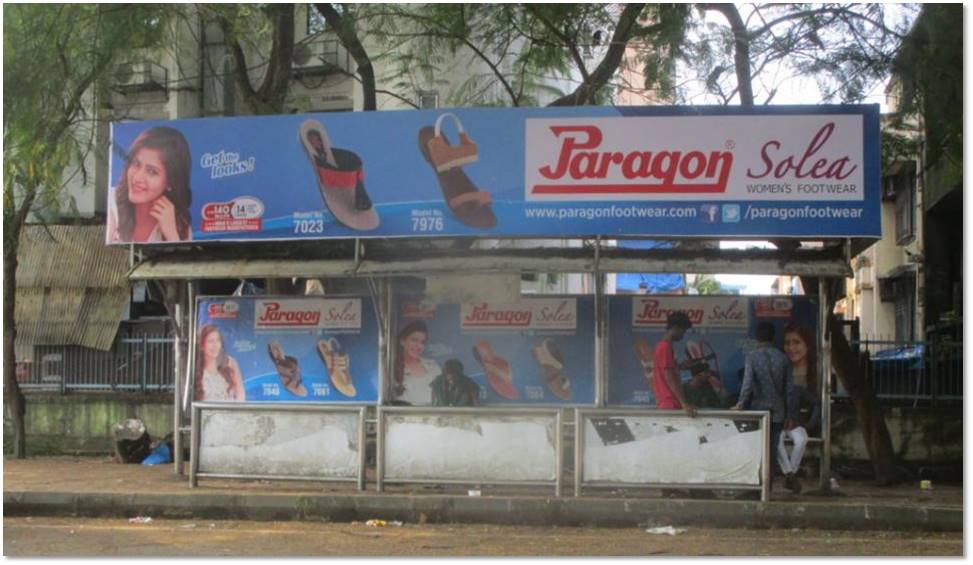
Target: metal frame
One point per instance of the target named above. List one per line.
(198, 407)
(824, 363)
(385, 411)
(581, 415)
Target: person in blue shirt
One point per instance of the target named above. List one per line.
(768, 384)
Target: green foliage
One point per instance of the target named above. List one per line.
(847, 49)
(54, 59)
(706, 284)
(509, 54)
(929, 69)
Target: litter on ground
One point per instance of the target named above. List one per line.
(665, 530)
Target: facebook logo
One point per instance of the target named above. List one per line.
(708, 212)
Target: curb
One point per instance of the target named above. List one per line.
(489, 510)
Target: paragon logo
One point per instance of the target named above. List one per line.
(714, 312)
(581, 164)
(653, 313)
(483, 316)
(305, 313)
(272, 314)
(534, 314)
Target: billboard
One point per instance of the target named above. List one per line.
(722, 335)
(307, 349)
(534, 351)
(788, 171)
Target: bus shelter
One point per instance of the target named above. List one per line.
(387, 206)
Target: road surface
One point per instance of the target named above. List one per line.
(44, 536)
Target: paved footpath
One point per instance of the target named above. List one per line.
(96, 487)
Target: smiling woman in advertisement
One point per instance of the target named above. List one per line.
(413, 373)
(799, 348)
(217, 375)
(151, 201)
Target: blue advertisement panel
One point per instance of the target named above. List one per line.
(722, 334)
(307, 349)
(535, 351)
(787, 171)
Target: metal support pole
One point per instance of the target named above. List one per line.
(176, 412)
(194, 448)
(183, 395)
(600, 325)
(579, 430)
(824, 362)
(559, 454)
(765, 464)
(379, 449)
(361, 448)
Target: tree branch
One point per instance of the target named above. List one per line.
(741, 51)
(346, 33)
(627, 23)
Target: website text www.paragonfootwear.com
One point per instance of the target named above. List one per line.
(637, 211)
(566, 213)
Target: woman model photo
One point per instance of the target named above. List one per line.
(151, 201)
(217, 375)
(800, 351)
(413, 373)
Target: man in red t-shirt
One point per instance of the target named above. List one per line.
(666, 383)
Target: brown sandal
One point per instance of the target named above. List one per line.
(337, 363)
(497, 370)
(468, 204)
(548, 356)
(287, 369)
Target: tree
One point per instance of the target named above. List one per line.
(706, 284)
(850, 46)
(54, 59)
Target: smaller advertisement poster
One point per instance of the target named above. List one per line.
(286, 349)
(534, 351)
(715, 347)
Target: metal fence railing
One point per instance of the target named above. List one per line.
(915, 371)
(142, 363)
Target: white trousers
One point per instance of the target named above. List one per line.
(791, 463)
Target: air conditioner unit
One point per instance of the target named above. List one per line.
(139, 76)
(317, 57)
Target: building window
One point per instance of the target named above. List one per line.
(428, 99)
(905, 207)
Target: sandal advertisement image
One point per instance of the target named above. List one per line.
(535, 351)
(713, 350)
(786, 171)
(286, 349)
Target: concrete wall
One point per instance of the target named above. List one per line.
(80, 423)
(927, 436)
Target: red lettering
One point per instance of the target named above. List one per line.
(569, 145)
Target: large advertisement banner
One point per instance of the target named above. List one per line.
(722, 335)
(304, 349)
(535, 351)
(789, 171)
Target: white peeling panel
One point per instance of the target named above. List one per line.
(672, 450)
(474, 447)
(293, 444)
